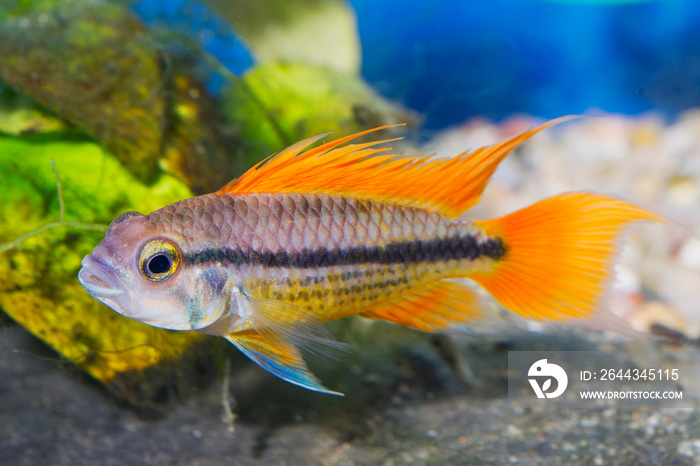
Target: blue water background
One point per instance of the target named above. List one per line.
(451, 60)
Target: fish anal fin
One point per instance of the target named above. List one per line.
(559, 254)
(279, 358)
(436, 306)
(450, 186)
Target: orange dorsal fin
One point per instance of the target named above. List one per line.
(449, 186)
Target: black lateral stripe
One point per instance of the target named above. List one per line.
(436, 250)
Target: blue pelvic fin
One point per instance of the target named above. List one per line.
(279, 358)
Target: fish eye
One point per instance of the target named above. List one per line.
(159, 260)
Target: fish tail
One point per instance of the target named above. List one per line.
(559, 254)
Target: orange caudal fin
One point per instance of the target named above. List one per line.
(559, 254)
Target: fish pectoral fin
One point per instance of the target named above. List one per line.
(279, 358)
(438, 305)
(282, 321)
(280, 333)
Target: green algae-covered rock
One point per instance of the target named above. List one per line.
(281, 103)
(21, 116)
(96, 66)
(38, 285)
(91, 63)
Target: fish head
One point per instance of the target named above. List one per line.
(139, 270)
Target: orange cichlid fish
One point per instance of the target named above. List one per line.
(314, 235)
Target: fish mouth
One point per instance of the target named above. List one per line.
(98, 280)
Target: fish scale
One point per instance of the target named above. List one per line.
(337, 292)
(316, 220)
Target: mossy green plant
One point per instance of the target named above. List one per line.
(99, 71)
(38, 285)
(294, 101)
(94, 65)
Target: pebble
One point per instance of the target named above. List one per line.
(689, 448)
(689, 254)
(512, 431)
(589, 422)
